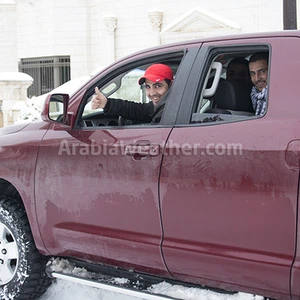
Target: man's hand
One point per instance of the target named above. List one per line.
(98, 100)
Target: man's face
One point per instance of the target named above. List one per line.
(156, 90)
(238, 72)
(259, 73)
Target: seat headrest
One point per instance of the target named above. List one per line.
(233, 95)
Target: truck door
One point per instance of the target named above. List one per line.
(228, 195)
(97, 183)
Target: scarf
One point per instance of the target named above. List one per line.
(259, 100)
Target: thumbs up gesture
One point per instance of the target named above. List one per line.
(98, 100)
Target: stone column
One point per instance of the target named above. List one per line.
(111, 25)
(156, 18)
(13, 89)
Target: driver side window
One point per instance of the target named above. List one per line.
(127, 101)
(129, 89)
(124, 87)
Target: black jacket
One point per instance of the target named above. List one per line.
(129, 110)
(140, 112)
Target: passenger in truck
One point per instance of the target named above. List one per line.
(238, 69)
(258, 65)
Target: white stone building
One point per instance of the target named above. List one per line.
(82, 35)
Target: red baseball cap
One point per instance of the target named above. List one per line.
(156, 73)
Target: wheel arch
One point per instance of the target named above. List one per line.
(9, 190)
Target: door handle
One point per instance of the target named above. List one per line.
(142, 149)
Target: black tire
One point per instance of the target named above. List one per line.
(22, 267)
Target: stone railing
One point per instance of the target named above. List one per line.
(13, 95)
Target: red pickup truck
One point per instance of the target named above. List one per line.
(207, 195)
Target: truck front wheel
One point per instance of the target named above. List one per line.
(22, 267)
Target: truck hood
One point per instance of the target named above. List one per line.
(13, 128)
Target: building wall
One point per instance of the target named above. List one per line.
(8, 37)
(134, 31)
(48, 28)
(77, 27)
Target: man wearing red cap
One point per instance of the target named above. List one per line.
(157, 79)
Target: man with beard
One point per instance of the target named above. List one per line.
(157, 79)
(258, 66)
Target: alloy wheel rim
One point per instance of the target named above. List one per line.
(9, 254)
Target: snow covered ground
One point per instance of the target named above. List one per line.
(66, 290)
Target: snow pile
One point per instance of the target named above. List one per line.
(185, 293)
(32, 109)
(66, 267)
(120, 281)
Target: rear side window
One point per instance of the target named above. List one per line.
(234, 86)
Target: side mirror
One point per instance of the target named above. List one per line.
(56, 108)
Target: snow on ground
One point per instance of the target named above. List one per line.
(66, 290)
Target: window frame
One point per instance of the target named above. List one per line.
(121, 68)
(198, 74)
